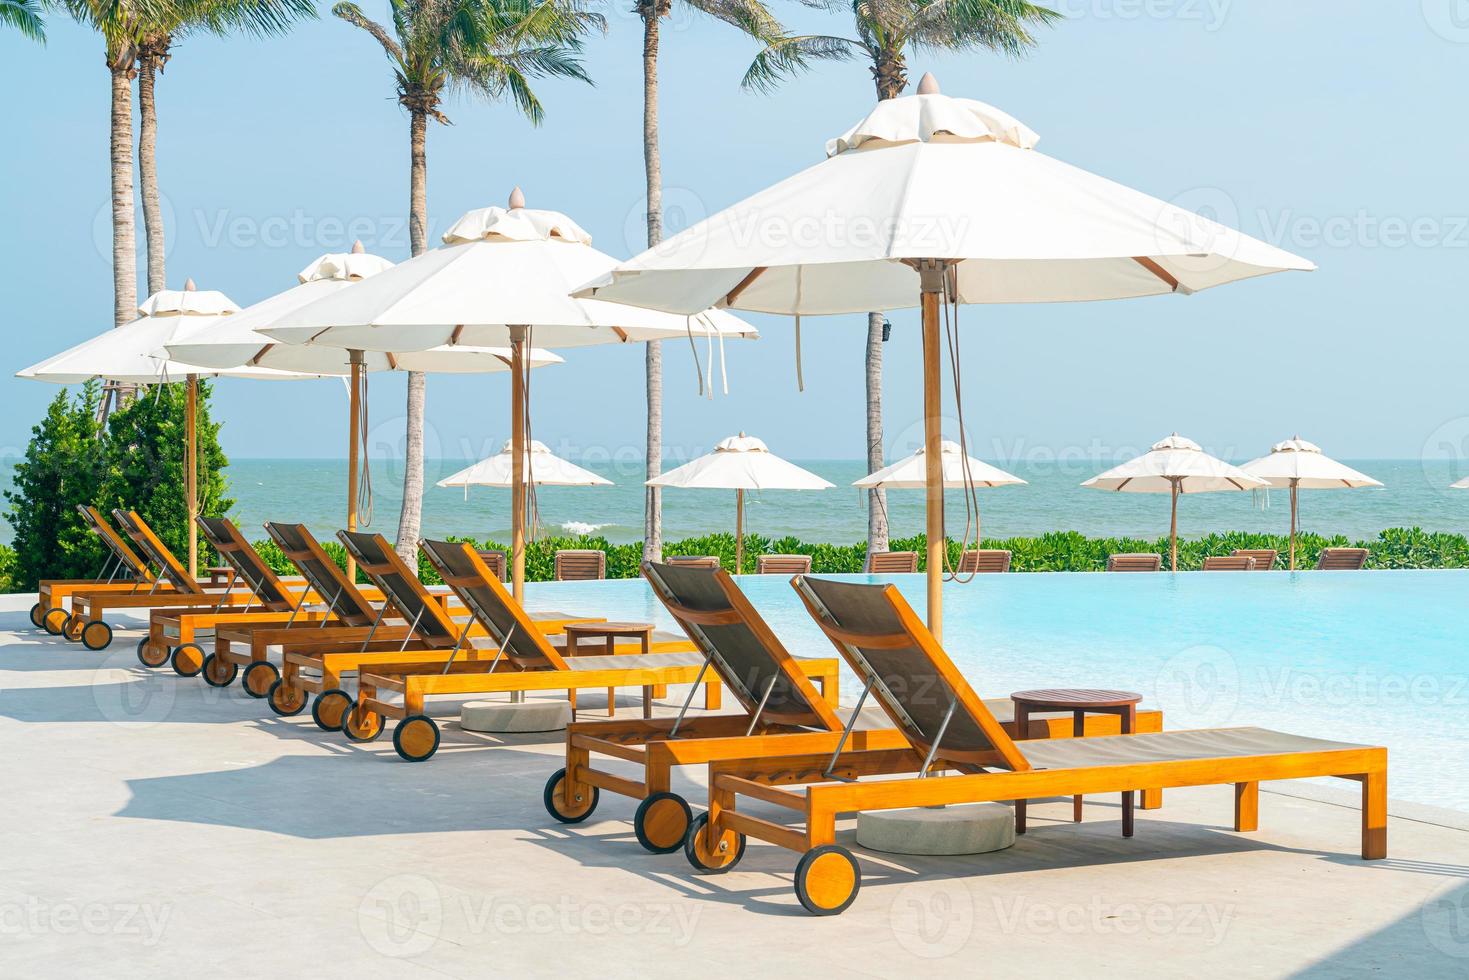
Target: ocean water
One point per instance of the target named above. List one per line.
(313, 492)
(1366, 657)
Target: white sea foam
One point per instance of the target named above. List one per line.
(581, 527)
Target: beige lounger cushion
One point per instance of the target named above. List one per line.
(1206, 743)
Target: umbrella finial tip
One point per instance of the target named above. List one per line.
(928, 85)
(517, 199)
(189, 286)
(357, 248)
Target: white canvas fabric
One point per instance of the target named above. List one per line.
(909, 473)
(542, 467)
(1297, 462)
(1175, 458)
(740, 463)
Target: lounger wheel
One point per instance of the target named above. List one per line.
(219, 672)
(827, 880)
(187, 659)
(38, 616)
(54, 620)
(662, 822)
(72, 628)
(416, 738)
(148, 656)
(258, 678)
(361, 724)
(96, 635)
(569, 809)
(716, 858)
(285, 700)
(329, 707)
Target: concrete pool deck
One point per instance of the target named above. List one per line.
(154, 826)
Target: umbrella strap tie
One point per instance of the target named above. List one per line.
(698, 368)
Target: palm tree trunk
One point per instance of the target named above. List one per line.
(410, 519)
(653, 508)
(124, 244)
(149, 61)
(877, 515)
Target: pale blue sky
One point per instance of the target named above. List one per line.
(1328, 128)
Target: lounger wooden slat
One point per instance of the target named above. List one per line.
(122, 572)
(580, 565)
(1342, 559)
(1264, 557)
(892, 562)
(1134, 563)
(1229, 563)
(950, 729)
(783, 564)
(984, 561)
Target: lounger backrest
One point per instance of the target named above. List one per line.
(913, 679)
(693, 561)
(495, 561)
(152, 546)
(226, 539)
(580, 565)
(115, 543)
(325, 577)
(783, 564)
(1341, 559)
(400, 586)
(984, 561)
(1229, 563)
(1264, 557)
(892, 562)
(1134, 563)
(492, 605)
(717, 616)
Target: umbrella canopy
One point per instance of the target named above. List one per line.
(932, 199)
(1174, 466)
(740, 463)
(132, 353)
(1460, 485)
(236, 341)
(909, 473)
(1297, 464)
(541, 467)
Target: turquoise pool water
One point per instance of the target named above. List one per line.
(1379, 657)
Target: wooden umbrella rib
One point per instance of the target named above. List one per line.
(750, 277)
(1158, 271)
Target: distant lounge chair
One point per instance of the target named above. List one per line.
(693, 561)
(520, 658)
(950, 728)
(782, 564)
(1134, 562)
(495, 561)
(122, 571)
(1264, 557)
(581, 565)
(1342, 559)
(984, 560)
(1229, 563)
(892, 562)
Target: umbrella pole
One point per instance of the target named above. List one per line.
(1293, 488)
(931, 274)
(739, 532)
(191, 468)
(354, 440)
(1173, 531)
(517, 465)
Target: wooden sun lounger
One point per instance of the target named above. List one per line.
(1264, 557)
(1229, 563)
(122, 571)
(982, 561)
(892, 562)
(782, 713)
(89, 607)
(782, 564)
(427, 637)
(520, 658)
(1134, 562)
(951, 730)
(1342, 559)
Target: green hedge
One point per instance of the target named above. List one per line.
(1059, 551)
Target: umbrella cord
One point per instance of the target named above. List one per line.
(532, 506)
(364, 483)
(971, 495)
(698, 368)
(800, 285)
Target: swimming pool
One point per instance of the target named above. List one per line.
(1379, 657)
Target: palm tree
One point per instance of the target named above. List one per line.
(162, 27)
(751, 17)
(24, 16)
(489, 48)
(886, 33)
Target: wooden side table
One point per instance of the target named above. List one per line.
(609, 633)
(1080, 702)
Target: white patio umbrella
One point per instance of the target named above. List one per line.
(502, 276)
(541, 467)
(1460, 485)
(931, 199)
(740, 463)
(1298, 464)
(132, 354)
(959, 471)
(1174, 466)
(237, 343)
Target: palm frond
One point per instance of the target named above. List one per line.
(259, 18)
(750, 16)
(24, 16)
(998, 25)
(352, 14)
(793, 54)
